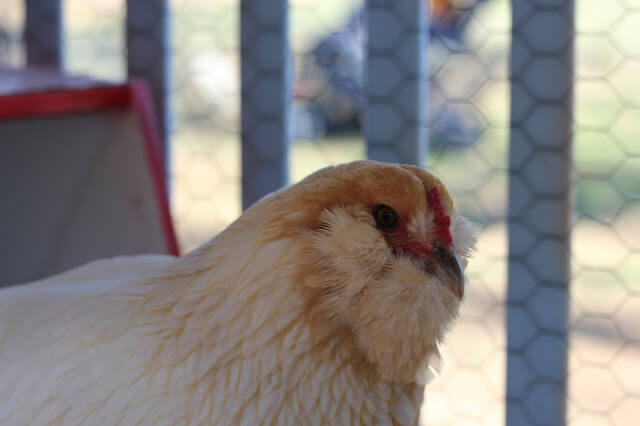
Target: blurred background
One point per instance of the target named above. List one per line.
(469, 132)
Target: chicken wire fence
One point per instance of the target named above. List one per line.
(469, 127)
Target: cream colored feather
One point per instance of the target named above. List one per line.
(298, 313)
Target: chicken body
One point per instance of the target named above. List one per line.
(304, 311)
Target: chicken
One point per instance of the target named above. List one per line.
(324, 303)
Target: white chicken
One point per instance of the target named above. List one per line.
(323, 303)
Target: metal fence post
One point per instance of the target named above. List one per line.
(266, 94)
(43, 33)
(395, 112)
(539, 211)
(149, 58)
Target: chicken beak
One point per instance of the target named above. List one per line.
(451, 271)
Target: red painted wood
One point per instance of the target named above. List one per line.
(135, 94)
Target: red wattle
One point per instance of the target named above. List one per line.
(441, 220)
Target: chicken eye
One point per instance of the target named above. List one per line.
(385, 216)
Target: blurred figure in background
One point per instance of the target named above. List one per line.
(329, 88)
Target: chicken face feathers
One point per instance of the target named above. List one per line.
(366, 283)
(465, 235)
(393, 313)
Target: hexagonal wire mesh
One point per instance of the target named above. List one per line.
(605, 347)
(468, 128)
